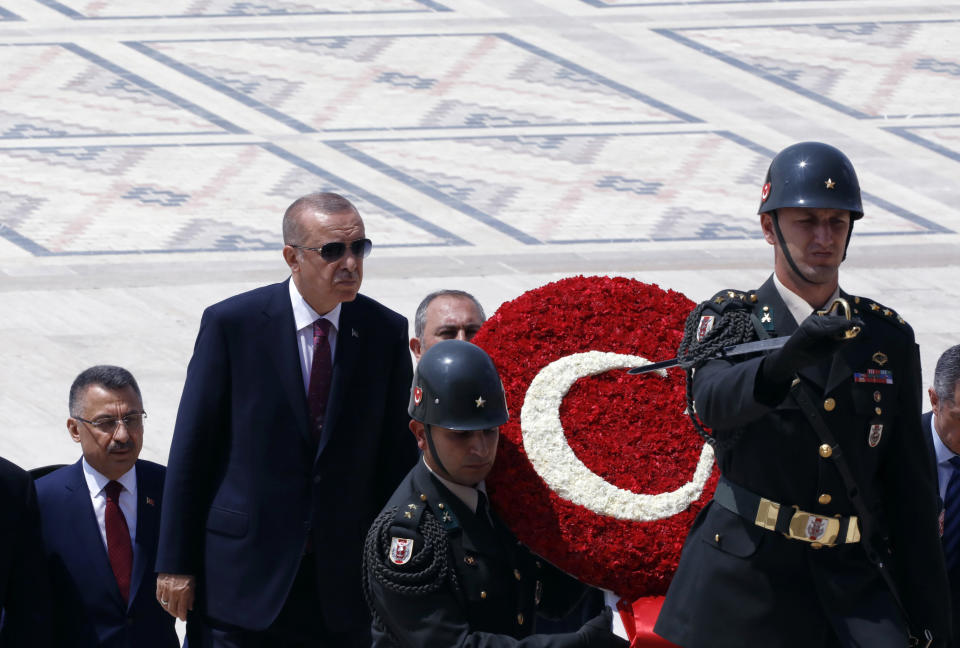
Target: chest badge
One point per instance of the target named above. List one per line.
(401, 549)
(876, 431)
(880, 358)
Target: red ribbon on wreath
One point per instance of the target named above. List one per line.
(628, 433)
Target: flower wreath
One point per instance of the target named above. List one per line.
(598, 471)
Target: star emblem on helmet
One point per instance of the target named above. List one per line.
(830, 184)
(480, 402)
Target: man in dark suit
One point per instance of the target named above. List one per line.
(291, 435)
(100, 518)
(24, 595)
(942, 424)
(823, 527)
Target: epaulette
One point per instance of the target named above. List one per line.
(727, 299)
(862, 305)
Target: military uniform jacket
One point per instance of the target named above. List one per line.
(739, 584)
(436, 575)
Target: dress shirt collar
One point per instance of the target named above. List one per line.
(303, 313)
(467, 494)
(796, 304)
(96, 481)
(944, 454)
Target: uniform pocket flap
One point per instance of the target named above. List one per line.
(730, 533)
(227, 522)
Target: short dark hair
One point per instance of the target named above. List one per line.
(107, 376)
(946, 376)
(321, 202)
(420, 319)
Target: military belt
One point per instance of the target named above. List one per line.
(818, 530)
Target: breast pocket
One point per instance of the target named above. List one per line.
(226, 522)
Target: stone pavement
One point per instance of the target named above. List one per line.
(147, 155)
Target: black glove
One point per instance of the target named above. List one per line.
(818, 338)
(596, 632)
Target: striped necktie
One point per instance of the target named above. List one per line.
(951, 517)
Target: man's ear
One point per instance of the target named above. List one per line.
(421, 435)
(74, 429)
(292, 258)
(415, 347)
(934, 399)
(766, 224)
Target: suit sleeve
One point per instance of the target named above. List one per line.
(911, 492)
(398, 450)
(26, 616)
(199, 441)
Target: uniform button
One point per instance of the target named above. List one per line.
(483, 594)
(829, 404)
(520, 618)
(877, 396)
(826, 451)
(440, 506)
(878, 411)
(716, 538)
(516, 574)
(816, 545)
(470, 560)
(423, 497)
(825, 499)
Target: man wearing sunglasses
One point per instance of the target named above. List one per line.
(99, 520)
(289, 439)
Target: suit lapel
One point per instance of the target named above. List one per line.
(350, 337)
(89, 541)
(148, 518)
(279, 343)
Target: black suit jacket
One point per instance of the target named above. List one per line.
(246, 483)
(954, 577)
(88, 608)
(739, 584)
(24, 592)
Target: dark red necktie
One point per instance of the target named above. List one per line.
(320, 375)
(119, 547)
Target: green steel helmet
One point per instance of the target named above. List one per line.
(456, 386)
(811, 174)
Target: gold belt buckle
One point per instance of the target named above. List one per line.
(816, 529)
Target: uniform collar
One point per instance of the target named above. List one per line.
(796, 304)
(466, 494)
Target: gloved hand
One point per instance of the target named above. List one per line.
(596, 632)
(818, 338)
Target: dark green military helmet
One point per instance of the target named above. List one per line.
(811, 174)
(456, 386)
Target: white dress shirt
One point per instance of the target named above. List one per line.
(944, 455)
(796, 304)
(303, 317)
(128, 498)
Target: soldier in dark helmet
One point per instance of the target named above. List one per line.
(440, 568)
(823, 530)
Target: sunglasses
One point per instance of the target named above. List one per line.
(331, 252)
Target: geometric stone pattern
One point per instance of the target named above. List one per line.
(600, 188)
(62, 90)
(885, 70)
(172, 199)
(942, 139)
(80, 9)
(408, 82)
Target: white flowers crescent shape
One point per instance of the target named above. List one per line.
(553, 459)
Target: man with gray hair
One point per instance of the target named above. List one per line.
(445, 315)
(943, 422)
(289, 438)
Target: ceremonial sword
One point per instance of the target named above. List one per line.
(769, 344)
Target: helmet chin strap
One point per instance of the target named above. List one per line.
(433, 450)
(783, 247)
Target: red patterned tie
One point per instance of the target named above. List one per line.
(320, 375)
(119, 547)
